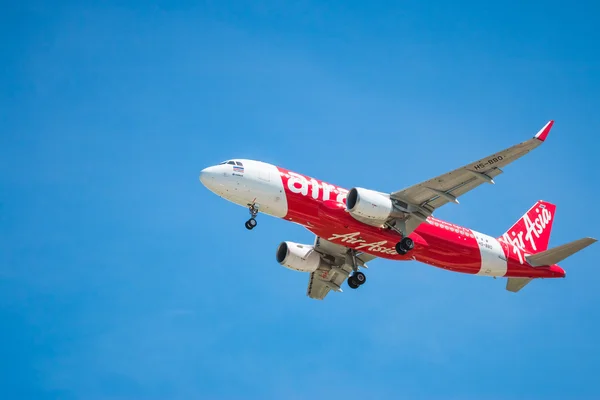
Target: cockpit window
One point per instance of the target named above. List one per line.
(232, 163)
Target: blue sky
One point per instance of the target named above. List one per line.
(121, 276)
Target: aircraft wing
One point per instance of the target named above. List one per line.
(325, 279)
(422, 199)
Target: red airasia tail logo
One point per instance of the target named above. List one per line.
(536, 227)
(525, 239)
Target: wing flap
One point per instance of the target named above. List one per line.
(455, 184)
(325, 279)
(321, 282)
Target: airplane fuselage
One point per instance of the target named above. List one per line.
(321, 208)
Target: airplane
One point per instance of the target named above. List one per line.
(355, 226)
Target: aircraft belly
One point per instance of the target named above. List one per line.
(450, 247)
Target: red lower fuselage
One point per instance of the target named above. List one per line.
(320, 207)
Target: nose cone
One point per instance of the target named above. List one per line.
(208, 177)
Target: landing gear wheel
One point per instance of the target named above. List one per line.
(250, 224)
(399, 249)
(356, 279)
(405, 245)
(359, 278)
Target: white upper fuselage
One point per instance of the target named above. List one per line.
(247, 182)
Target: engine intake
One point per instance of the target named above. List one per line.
(369, 206)
(299, 257)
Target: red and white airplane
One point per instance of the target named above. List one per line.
(356, 226)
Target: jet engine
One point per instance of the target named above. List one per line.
(299, 257)
(369, 206)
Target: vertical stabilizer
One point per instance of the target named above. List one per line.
(532, 231)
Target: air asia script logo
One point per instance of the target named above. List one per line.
(354, 238)
(533, 229)
(318, 190)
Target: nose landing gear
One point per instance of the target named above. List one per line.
(251, 223)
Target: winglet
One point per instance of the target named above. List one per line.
(543, 133)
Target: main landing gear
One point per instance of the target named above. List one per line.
(405, 245)
(357, 278)
(251, 223)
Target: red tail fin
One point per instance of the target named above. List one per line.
(532, 231)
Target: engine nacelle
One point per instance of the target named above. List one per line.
(299, 257)
(369, 206)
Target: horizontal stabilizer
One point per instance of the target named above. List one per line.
(516, 284)
(557, 254)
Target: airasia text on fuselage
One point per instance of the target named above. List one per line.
(314, 188)
(355, 239)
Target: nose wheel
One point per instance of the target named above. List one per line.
(251, 223)
(405, 245)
